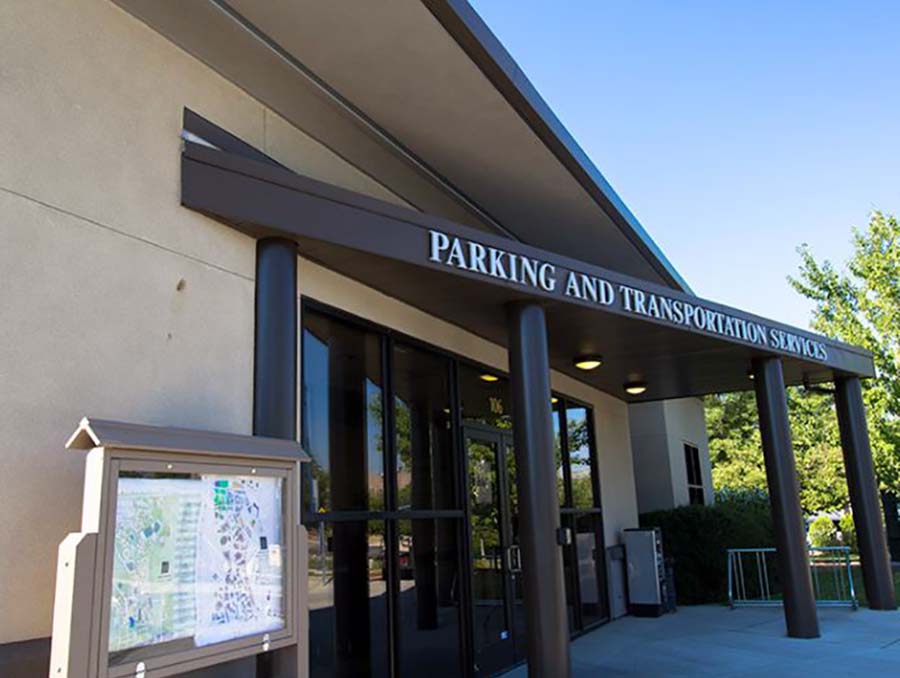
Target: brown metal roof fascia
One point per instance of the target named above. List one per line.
(484, 49)
(262, 200)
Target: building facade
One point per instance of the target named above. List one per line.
(670, 448)
(359, 227)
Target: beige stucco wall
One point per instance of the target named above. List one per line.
(650, 449)
(610, 414)
(686, 423)
(94, 244)
(659, 431)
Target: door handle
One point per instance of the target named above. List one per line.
(514, 558)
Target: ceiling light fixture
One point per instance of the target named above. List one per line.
(554, 400)
(635, 387)
(588, 362)
(489, 378)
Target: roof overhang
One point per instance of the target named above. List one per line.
(121, 435)
(679, 344)
(421, 95)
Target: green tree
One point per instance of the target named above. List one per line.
(734, 443)
(861, 305)
(736, 451)
(817, 451)
(848, 531)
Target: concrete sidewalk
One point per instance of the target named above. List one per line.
(711, 640)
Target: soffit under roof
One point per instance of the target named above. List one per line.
(423, 118)
(386, 247)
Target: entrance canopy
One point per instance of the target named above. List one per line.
(372, 81)
(676, 343)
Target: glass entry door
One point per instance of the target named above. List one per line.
(498, 611)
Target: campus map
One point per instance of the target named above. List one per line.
(239, 571)
(153, 568)
(196, 558)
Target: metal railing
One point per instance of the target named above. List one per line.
(753, 577)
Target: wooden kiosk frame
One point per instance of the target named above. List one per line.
(80, 644)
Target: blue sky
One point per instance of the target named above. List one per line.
(735, 131)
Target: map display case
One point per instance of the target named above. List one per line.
(188, 556)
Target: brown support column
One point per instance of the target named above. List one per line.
(542, 568)
(873, 553)
(274, 394)
(784, 494)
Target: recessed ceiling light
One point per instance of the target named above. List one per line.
(554, 400)
(588, 362)
(750, 375)
(490, 378)
(635, 387)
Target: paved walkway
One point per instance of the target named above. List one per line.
(711, 640)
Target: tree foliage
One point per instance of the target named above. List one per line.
(736, 450)
(861, 305)
(817, 451)
(822, 532)
(734, 444)
(848, 532)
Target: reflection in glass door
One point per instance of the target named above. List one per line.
(581, 511)
(515, 552)
(498, 612)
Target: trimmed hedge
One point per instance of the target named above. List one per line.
(697, 537)
(822, 532)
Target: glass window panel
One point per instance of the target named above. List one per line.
(424, 440)
(695, 456)
(694, 474)
(314, 421)
(590, 568)
(578, 424)
(689, 465)
(485, 397)
(347, 599)
(558, 453)
(488, 575)
(342, 415)
(428, 607)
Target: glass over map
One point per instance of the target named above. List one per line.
(197, 560)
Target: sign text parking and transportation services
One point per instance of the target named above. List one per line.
(501, 264)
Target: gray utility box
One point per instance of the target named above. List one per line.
(647, 594)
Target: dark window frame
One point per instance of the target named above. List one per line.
(570, 514)
(694, 474)
(391, 515)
